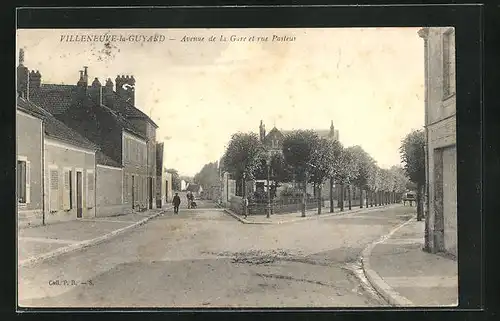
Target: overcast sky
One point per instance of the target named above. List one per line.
(370, 82)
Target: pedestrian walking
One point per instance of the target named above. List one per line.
(176, 202)
(188, 196)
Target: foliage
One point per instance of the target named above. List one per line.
(208, 176)
(386, 180)
(374, 180)
(346, 167)
(242, 155)
(412, 152)
(290, 191)
(366, 167)
(176, 180)
(324, 158)
(298, 150)
(400, 179)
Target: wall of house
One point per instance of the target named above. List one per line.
(149, 131)
(134, 171)
(109, 191)
(62, 161)
(441, 149)
(29, 149)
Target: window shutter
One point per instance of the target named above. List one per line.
(66, 190)
(28, 182)
(54, 190)
(90, 189)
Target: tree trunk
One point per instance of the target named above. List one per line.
(304, 197)
(320, 200)
(331, 195)
(361, 198)
(349, 196)
(371, 198)
(341, 197)
(420, 208)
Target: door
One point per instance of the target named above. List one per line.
(133, 191)
(150, 192)
(79, 196)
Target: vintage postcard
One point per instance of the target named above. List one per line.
(201, 168)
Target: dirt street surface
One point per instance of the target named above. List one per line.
(205, 258)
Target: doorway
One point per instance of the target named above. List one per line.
(79, 196)
(150, 192)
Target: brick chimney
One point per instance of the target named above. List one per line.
(82, 84)
(35, 80)
(22, 77)
(107, 93)
(96, 91)
(125, 88)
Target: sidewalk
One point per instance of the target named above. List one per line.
(39, 243)
(405, 275)
(297, 216)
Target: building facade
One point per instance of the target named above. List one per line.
(96, 150)
(29, 167)
(440, 126)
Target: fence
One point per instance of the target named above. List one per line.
(285, 205)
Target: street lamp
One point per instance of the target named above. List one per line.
(268, 185)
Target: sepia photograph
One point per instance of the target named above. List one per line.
(236, 168)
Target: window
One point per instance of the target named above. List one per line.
(90, 189)
(448, 63)
(54, 189)
(68, 190)
(23, 181)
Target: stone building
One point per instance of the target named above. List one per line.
(274, 139)
(440, 126)
(125, 159)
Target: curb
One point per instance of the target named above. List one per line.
(316, 216)
(384, 289)
(86, 243)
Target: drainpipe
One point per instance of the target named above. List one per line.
(43, 172)
(423, 33)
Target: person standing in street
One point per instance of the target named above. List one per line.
(188, 196)
(176, 201)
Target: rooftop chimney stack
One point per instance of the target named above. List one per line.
(22, 77)
(96, 91)
(125, 88)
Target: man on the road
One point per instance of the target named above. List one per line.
(188, 196)
(176, 202)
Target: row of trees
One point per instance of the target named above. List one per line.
(308, 158)
(208, 176)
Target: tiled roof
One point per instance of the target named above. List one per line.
(55, 99)
(30, 108)
(104, 159)
(320, 132)
(55, 128)
(130, 110)
(123, 122)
